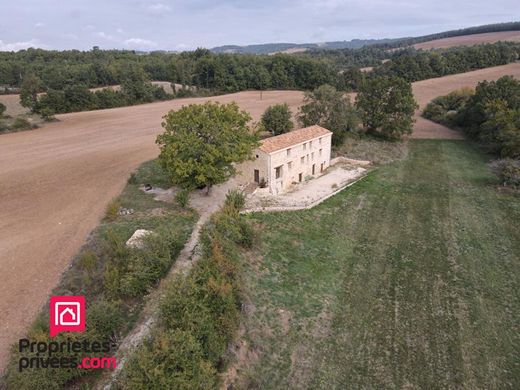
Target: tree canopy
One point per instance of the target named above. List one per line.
(277, 119)
(387, 106)
(327, 107)
(202, 142)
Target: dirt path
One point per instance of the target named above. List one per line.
(205, 206)
(55, 183)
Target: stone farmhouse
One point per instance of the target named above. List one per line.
(289, 158)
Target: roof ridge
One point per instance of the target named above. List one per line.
(286, 140)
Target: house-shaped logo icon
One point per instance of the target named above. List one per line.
(67, 314)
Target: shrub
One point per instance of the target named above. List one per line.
(132, 179)
(172, 360)
(112, 210)
(105, 318)
(182, 197)
(88, 262)
(47, 114)
(2, 109)
(508, 171)
(22, 124)
(236, 199)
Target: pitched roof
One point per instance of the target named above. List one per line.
(292, 138)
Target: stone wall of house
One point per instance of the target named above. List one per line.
(246, 170)
(296, 162)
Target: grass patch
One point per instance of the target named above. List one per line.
(113, 277)
(377, 150)
(406, 280)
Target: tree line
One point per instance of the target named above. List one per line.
(490, 114)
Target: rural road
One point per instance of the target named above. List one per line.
(56, 181)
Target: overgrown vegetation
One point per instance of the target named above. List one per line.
(199, 313)
(113, 277)
(405, 280)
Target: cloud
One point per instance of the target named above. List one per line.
(102, 35)
(39, 25)
(158, 8)
(139, 43)
(15, 46)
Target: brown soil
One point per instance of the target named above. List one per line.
(56, 181)
(470, 40)
(426, 90)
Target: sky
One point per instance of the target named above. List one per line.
(188, 24)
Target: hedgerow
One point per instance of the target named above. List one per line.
(199, 314)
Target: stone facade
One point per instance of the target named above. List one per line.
(287, 159)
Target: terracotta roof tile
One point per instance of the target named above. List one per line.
(292, 138)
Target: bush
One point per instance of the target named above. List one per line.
(112, 210)
(2, 109)
(508, 171)
(22, 124)
(105, 318)
(88, 262)
(182, 197)
(47, 114)
(235, 199)
(172, 360)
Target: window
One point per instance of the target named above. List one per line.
(312, 156)
(310, 144)
(278, 172)
(288, 152)
(302, 160)
(305, 146)
(320, 141)
(307, 158)
(289, 165)
(257, 156)
(320, 152)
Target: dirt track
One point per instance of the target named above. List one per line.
(470, 40)
(56, 181)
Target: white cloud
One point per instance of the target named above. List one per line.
(139, 43)
(120, 31)
(102, 35)
(39, 25)
(158, 8)
(15, 46)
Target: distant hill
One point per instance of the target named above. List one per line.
(271, 48)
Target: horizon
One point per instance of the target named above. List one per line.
(186, 25)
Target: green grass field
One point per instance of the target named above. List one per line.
(409, 279)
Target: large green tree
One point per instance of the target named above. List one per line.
(327, 107)
(202, 142)
(31, 85)
(277, 119)
(387, 105)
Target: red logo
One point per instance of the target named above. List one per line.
(67, 314)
